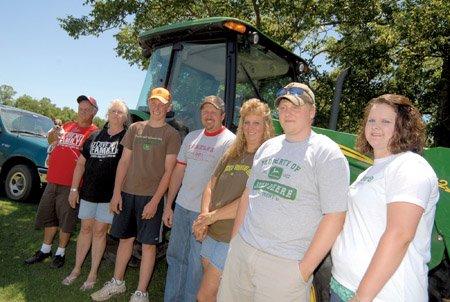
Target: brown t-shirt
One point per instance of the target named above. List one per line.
(232, 175)
(150, 147)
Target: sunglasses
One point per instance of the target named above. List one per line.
(296, 91)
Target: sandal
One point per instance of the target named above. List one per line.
(87, 285)
(69, 279)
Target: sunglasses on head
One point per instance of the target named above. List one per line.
(297, 91)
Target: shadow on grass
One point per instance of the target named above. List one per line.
(38, 282)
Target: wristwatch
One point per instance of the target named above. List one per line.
(73, 189)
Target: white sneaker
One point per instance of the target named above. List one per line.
(139, 296)
(110, 289)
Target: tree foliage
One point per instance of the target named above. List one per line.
(392, 46)
(43, 106)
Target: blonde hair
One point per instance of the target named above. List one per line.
(256, 107)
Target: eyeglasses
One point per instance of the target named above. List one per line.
(118, 112)
(296, 91)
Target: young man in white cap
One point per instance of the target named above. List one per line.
(142, 178)
(54, 211)
(291, 211)
(199, 155)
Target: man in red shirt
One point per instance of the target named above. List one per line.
(54, 211)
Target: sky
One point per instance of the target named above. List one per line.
(39, 59)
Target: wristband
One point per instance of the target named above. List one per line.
(73, 189)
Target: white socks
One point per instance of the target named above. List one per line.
(60, 251)
(46, 248)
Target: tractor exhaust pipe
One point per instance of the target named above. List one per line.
(337, 98)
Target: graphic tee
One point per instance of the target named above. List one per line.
(200, 152)
(64, 156)
(291, 186)
(150, 146)
(232, 175)
(102, 152)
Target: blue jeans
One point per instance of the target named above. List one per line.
(334, 297)
(184, 273)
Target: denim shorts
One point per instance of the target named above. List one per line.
(99, 211)
(215, 251)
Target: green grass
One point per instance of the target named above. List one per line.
(38, 282)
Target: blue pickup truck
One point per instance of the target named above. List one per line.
(23, 152)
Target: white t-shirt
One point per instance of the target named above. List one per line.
(200, 152)
(404, 177)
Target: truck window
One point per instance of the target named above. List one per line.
(198, 70)
(259, 71)
(156, 74)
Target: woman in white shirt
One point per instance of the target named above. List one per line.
(383, 249)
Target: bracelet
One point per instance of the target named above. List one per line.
(73, 189)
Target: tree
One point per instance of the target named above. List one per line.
(392, 46)
(397, 47)
(7, 94)
(43, 106)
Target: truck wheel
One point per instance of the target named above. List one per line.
(320, 291)
(438, 282)
(20, 182)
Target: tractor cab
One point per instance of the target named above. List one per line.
(218, 56)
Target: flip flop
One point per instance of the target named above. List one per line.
(87, 285)
(69, 279)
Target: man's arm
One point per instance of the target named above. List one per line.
(151, 207)
(240, 214)
(206, 196)
(329, 228)
(115, 205)
(199, 227)
(174, 185)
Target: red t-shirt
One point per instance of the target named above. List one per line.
(64, 156)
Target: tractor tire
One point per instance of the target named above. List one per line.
(21, 183)
(320, 292)
(438, 282)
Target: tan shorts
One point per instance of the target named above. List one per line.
(253, 275)
(54, 209)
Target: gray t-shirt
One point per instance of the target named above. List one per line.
(291, 186)
(200, 152)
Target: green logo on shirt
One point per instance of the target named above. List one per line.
(275, 188)
(275, 172)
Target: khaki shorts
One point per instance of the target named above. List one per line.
(253, 275)
(54, 209)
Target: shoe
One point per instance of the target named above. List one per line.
(70, 279)
(139, 296)
(58, 261)
(38, 257)
(110, 289)
(88, 285)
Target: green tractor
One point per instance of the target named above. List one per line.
(234, 60)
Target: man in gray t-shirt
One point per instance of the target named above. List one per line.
(199, 154)
(291, 211)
